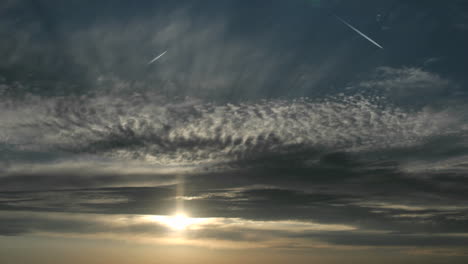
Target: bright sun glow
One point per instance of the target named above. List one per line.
(179, 221)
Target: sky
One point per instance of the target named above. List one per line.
(267, 132)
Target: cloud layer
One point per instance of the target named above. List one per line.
(259, 135)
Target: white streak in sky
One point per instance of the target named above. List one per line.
(159, 56)
(359, 32)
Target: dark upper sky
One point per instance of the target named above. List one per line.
(271, 124)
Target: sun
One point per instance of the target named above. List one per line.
(180, 221)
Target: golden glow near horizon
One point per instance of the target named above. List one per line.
(186, 230)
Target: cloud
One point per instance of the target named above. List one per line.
(267, 168)
(145, 128)
(403, 85)
(155, 228)
(95, 143)
(231, 233)
(110, 54)
(322, 161)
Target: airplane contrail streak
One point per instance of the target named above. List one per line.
(359, 32)
(159, 56)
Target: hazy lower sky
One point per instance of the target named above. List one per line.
(268, 131)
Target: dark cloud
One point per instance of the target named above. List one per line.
(76, 179)
(17, 224)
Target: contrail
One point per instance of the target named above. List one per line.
(359, 32)
(155, 59)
